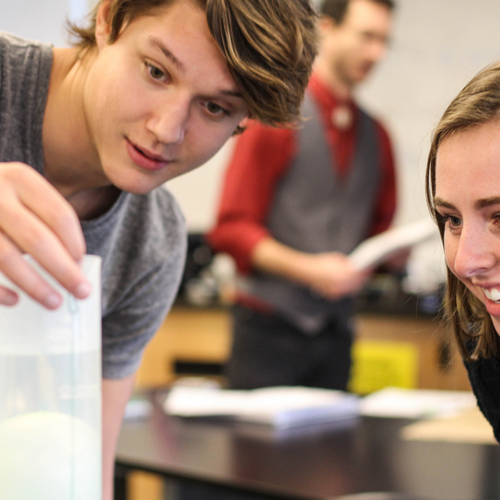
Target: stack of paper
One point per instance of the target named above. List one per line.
(416, 403)
(375, 250)
(281, 407)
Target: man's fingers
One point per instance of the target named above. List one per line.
(21, 274)
(35, 219)
(42, 245)
(8, 297)
(42, 199)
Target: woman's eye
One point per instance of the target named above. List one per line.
(450, 221)
(454, 222)
(156, 73)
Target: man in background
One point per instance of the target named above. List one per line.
(296, 201)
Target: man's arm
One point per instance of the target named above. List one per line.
(329, 274)
(115, 395)
(259, 158)
(385, 205)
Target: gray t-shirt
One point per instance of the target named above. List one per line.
(141, 239)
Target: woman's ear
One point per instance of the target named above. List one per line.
(102, 25)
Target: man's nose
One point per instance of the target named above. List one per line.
(475, 255)
(169, 121)
(377, 50)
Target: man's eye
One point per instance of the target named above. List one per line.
(215, 109)
(155, 72)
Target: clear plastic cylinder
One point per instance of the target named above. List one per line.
(50, 395)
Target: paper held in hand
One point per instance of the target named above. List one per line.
(375, 250)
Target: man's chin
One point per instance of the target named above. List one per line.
(363, 74)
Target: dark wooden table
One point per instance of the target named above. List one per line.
(327, 461)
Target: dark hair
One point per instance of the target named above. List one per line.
(269, 47)
(477, 103)
(336, 9)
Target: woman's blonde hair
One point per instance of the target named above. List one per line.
(478, 103)
(269, 46)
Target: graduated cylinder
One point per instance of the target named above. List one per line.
(50, 395)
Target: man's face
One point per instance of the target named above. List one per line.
(159, 101)
(353, 47)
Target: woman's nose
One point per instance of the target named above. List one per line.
(475, 255)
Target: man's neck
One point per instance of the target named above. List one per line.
(71, 162)
(69, 155)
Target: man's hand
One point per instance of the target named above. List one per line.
(333, 276)
(36, 219)
(330, 274)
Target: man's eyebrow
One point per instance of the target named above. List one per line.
(232, 93)
(159, 45)
(168, 54)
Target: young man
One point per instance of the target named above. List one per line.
(151, 90)
(295, 202)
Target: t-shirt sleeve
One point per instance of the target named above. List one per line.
(259, 158)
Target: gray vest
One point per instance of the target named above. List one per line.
(316, 211)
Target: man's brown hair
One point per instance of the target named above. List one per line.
(336, 9)
(478, 103)
(269, 47)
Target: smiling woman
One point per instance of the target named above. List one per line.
(150, 90)
(463, 193)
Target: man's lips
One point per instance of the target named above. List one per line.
(146, 159)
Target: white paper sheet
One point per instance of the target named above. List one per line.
(277, 406)
(375, 250)
(415, 403)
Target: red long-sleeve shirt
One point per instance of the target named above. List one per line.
(261, 156)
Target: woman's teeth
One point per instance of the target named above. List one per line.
(493, 294)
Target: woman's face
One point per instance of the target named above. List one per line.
(468, 201)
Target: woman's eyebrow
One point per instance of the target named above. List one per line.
(487, 202)
(479, 204)
(439, 202)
